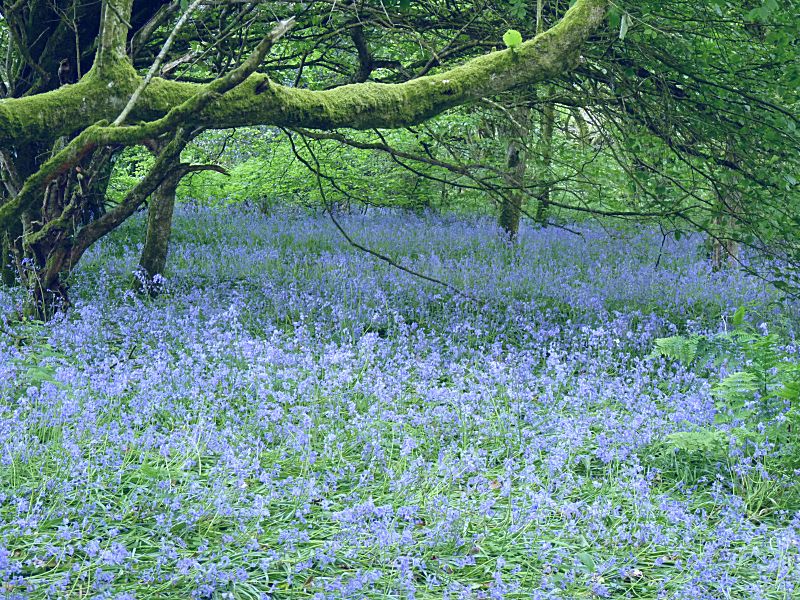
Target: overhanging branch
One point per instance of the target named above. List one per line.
(260, 101)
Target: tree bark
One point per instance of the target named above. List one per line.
(156, 244)
(511, 209)
(8, 273)
(724, 246)
(546, 158)
(153, 260)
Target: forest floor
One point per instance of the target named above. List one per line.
(294, 419)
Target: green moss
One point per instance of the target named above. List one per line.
(368, 105)
(70, 108)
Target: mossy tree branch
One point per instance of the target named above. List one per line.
(260, 101)
(92, 113)
(102, 134)
(114, 25)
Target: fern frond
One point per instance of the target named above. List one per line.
(677, 347)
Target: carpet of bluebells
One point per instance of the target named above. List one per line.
(292, 418)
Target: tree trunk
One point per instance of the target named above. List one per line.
(724, 250)
(14, 169)
(546, 156)
(511, 210)
(37, 248)
(580, 123)
(156, 244)
(53, 236)
(724, 246)
(95, 184)
(8, 251)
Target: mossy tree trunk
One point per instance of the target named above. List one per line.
(511, 208)
(8, 274)
(160, 209)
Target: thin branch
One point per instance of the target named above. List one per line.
(316, 169)
(119, 15)
(156, 64)
(141, 37)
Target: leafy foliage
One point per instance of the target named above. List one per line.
(677, 347)
(37, 363)
(757, 401)
(764, 379)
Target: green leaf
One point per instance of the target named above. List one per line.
(587, 561)
(624, 24)
(704, 441)
(790, 391)
(512, 38)
(784, 286)
(519, 9)
(738, 317)
(736, 389)
(614, 17)
(40, 374)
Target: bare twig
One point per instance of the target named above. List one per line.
(316, 169)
